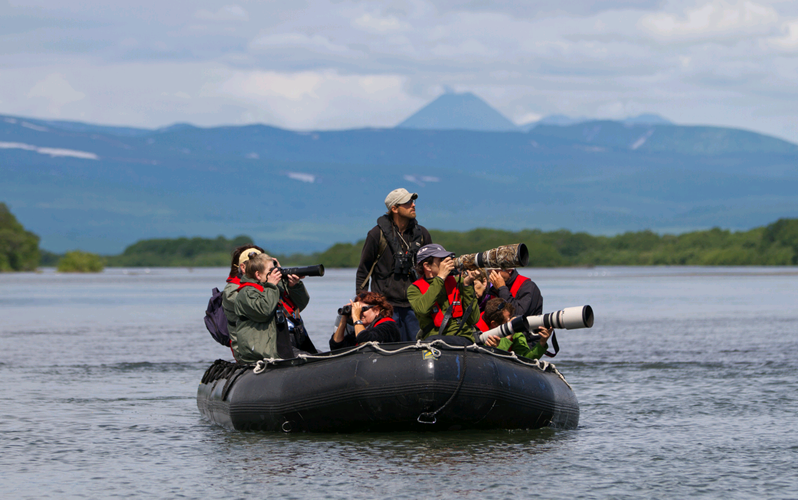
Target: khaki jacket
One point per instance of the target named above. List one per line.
(256, 327)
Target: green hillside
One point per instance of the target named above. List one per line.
(775, 244)
(19, 249)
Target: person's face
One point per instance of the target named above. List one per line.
(505, 274)
(262, 277)
(505, 315)
(368, 317)
(407, 210)
(434, 266)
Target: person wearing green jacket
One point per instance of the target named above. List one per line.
(237, 267)
(497, 312)
(444, 304)
(261, 325)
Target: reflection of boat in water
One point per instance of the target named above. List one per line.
(389, 387)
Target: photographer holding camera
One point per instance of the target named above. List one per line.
(388, 256)
(441, 301)
(498, 312)
(518, 290)
(267, 310)
(371, 316)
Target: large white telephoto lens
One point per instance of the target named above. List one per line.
(570, 318)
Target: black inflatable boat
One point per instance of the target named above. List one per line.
(389, 387)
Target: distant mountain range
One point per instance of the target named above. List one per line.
(101, 188)
(466, 111)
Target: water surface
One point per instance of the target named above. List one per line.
(687, 385)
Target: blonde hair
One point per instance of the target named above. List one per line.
(257, 263)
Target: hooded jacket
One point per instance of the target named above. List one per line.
(255, 335)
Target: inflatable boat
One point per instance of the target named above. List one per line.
(389, 387)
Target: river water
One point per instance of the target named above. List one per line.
(687, 383)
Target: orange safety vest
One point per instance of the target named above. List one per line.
(452, 293)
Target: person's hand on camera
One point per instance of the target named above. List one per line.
(492, 341)
(470, 277)
(544, 333)
(497, 279)
(445, 268)
(357, 311)
(479, 288)
(274, 276)
(293, 279)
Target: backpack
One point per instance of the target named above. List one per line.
(215, 319)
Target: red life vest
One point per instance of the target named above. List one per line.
(236, 280)
(453, 295)
(482, 325)
(383, 320)
(519, 280)
(285, 300)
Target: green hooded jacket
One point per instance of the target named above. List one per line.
(520, 347)
(255, 335)
(423, 304)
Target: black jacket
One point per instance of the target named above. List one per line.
(383, 280)
(527, 302)
(385, 332)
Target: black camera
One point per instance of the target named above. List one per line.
(317, 270)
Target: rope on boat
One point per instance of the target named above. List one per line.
(540, 364)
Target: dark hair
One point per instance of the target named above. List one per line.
(494, 310)
(376, 299)
(237, 255)
(257, 263)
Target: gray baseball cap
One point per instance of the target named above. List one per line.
(399, 197)
(432, 250)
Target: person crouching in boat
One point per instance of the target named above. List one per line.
(261, 313)
(371, 315)
(443, 304)
(498, 312)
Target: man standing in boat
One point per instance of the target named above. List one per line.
(388, 257)
(444, 304)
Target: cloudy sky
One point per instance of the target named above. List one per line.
(307, 64)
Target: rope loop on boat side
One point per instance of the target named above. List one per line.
(261, 365)
(432, 347)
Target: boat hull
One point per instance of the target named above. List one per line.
(390, 387)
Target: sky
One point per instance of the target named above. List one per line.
(306, 64)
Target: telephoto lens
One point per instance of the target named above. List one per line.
(500, 257)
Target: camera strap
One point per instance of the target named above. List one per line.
(381, 250)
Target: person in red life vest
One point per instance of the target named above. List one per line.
(237, 267)
(371, 315)
(498, 312)
(262, 311)
(518, 290)
(444, 304)
(388, 257)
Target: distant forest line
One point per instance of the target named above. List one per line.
(775, 244)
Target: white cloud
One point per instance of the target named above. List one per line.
(307, 99)
(712, 19)
(226, 13)
(377, 24)
(283, 41)
(789, 40)
(57, 91)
